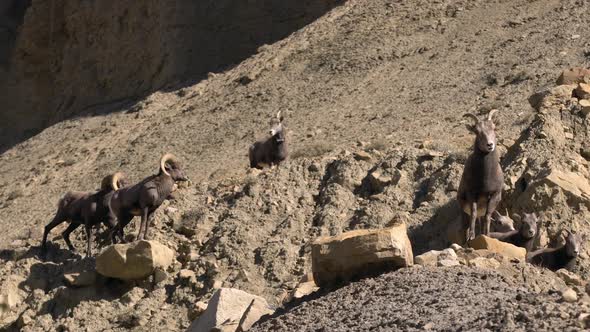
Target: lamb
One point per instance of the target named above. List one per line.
(143, 198)
(502, 224)
(522, 237)
(558, 258)
(480, 189)
(85, 208)
(272, 150)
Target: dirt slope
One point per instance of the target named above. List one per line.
(389, 78)
(443, 299)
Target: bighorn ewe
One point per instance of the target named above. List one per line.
(143, 198)
(557, 258)
(84, 208)
(272, 150)
(524, 236)
(480, 189)
(502, 224)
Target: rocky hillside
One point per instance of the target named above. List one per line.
(373, 94)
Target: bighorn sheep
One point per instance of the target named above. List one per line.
(502, 224)
(557, 258)
(84, 208)
(272, 150)
(480, 189)
(143, 198)
(524, 236)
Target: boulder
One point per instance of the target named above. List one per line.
(10, 295)
(558, 95)
(360, 252)
(484, 263)
(505, 249)
(585, 106)
(134, 261)
(229, 309)
(574, 75)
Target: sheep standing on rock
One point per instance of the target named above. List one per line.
(524, 236)
(85, 208)
(273, 150)
(143, 198)
(480, 190)
(558, 258)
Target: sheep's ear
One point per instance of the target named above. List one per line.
(516, 216)
(281, 118)
(470, 127)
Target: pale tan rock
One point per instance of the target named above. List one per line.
(585, 105)
(570, 278)
(484, 263)
(583, 91)
(352, 254)
(555, 96)
(229, 308)
(133, 261)
(505, 249)
(569, 295)
(573, 75)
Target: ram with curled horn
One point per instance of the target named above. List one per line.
(271, 150)
(480, 189)
(84, 208)
(144, 198)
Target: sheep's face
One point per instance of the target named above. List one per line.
(175, 172)
(276, 129)
(485, 135)
(503, 223)
(573, 244)
(528, 226)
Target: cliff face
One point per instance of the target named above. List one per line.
(61, 58)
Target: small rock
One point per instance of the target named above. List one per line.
(362, 155)
(569, 135)
(217, 284)
(484, 263)
(26, 318)
(569, 295)
(456, 247)
(570, 278)
(585, 105)
(133, 296)
(429, 258)
(160, 275)
(82, 279)
(231, 305)
(447, 262)
(583, 91)
(186, 274)
(573, 75)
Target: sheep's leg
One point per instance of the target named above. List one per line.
(147, 224)
(66, 235)
(123, 221)
(471, 229)
(143, 225)
(493, 202)
(58, 219)
(88, 227)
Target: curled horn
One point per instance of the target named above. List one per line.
(165, 158)
(491, 114)
(115, 180)
(473, 116)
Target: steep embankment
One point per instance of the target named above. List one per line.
(71, 57)
(387, 80)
